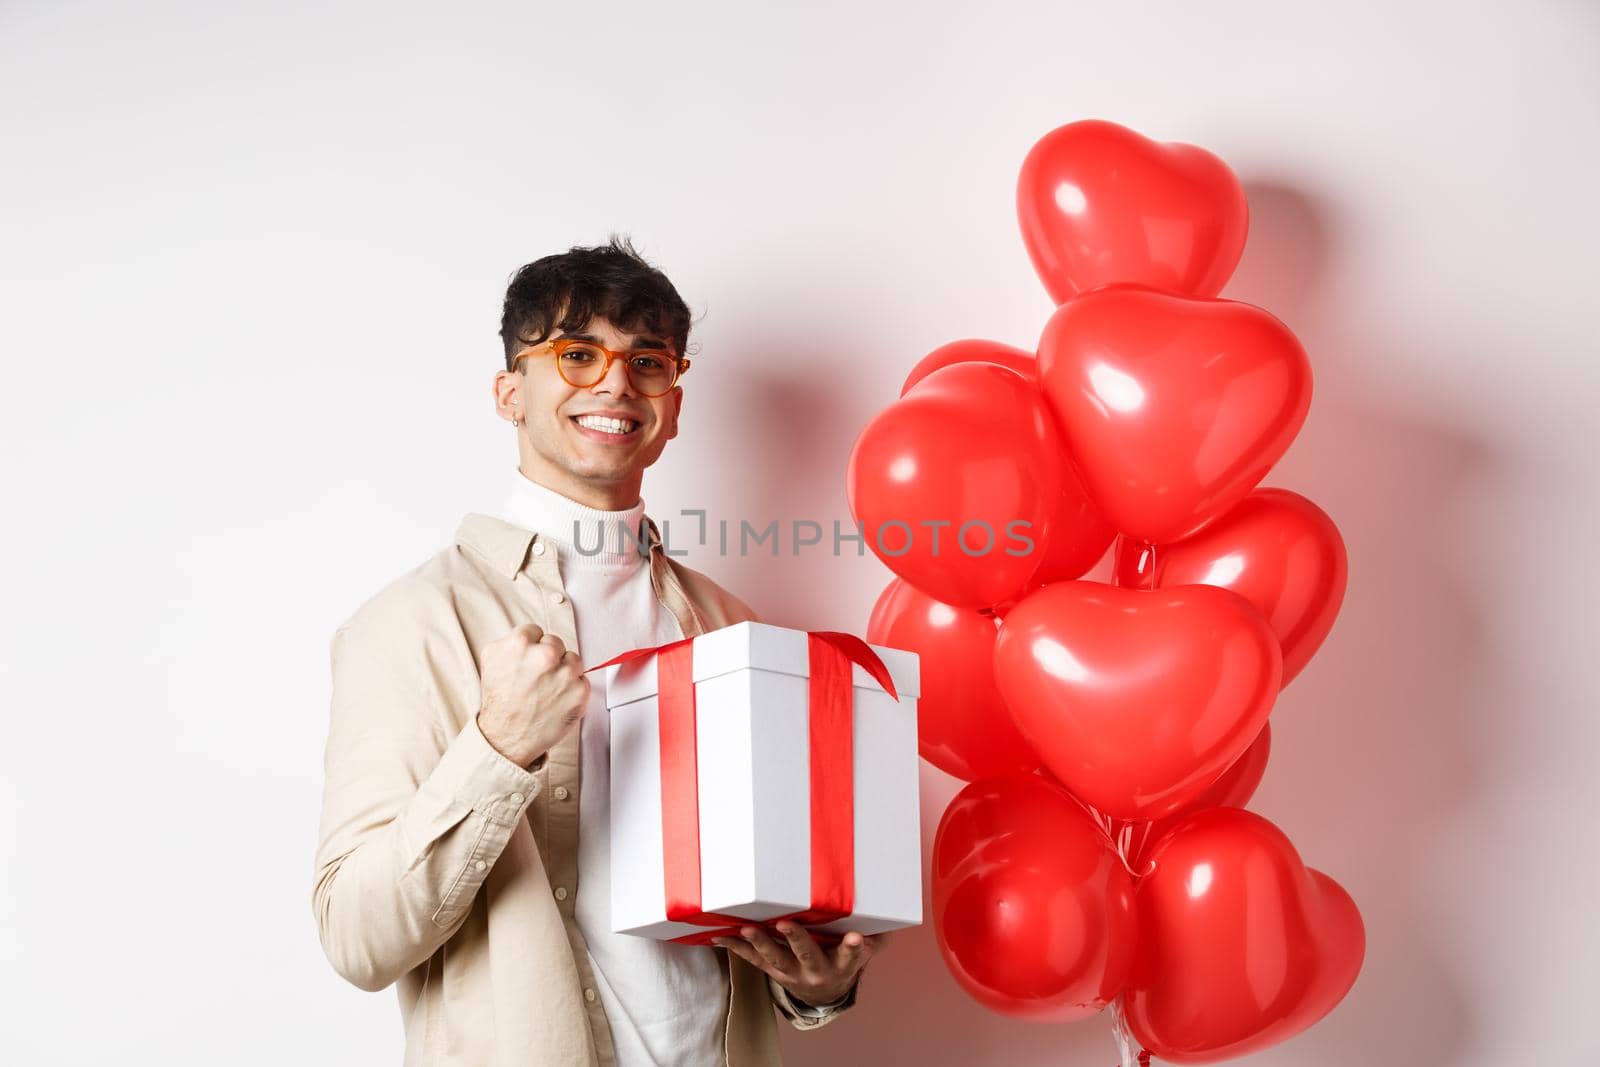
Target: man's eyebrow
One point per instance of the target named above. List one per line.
(638, 342)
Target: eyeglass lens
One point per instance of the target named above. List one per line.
(650, 372)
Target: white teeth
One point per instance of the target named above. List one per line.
(600, 422)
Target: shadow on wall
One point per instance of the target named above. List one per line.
(787, 445)
(1375, 743)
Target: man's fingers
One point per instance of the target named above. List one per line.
(802, 944)
(747, 952)
(848, 955)
(743, 951)
(855, 950)
(556, 644)
(769, 949)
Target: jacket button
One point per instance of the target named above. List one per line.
(516, 798)
(560, 599)
(561, 892)
(538, 548)
(562, 793)
(588, 994)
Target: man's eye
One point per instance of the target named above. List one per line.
(649, 364)
(580, 355)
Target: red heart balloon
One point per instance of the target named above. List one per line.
(1275, 548)
(1137, 701)
(952, 480)
(1032, 908)
(1242, 946)
(970, 350)
(1172, 408)
(1099, 203)
(1079, 535)
(1233, 790)
(963, 727)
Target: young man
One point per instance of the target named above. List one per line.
(463, 851)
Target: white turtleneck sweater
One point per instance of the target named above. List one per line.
(665, 1002)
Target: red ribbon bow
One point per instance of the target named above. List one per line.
(832, 781)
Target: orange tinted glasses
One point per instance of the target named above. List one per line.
(652, 372)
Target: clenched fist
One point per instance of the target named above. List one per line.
(534, 691)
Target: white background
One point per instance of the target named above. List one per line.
(253, 257)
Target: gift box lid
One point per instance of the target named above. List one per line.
(760, 646)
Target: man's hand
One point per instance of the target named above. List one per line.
(802, 966)
(534, 691)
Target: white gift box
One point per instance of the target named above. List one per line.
(752, 755)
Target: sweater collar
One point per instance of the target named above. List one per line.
(583, 535)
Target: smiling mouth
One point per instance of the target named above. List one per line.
(608, 426)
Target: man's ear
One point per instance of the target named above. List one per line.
(677, 406)
(505, 388)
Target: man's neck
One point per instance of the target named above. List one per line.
(608, 538)
(602, 496)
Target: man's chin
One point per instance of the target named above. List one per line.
(606, 469)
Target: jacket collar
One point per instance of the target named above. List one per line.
(506, 546)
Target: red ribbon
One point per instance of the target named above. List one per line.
(832, 781)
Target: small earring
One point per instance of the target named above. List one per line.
(516, 422)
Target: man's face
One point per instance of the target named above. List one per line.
(568, 439)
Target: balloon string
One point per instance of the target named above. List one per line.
(1130, 1051)
(1122, 840)
(1147, 566)
(1137, 847)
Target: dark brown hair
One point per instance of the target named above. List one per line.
(611, 281)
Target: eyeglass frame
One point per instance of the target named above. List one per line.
(559, 345)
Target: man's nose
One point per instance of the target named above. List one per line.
(615, 380)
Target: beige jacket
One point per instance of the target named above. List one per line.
(446, 868)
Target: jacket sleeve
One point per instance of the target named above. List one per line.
(804, 1016)
(414, 810)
